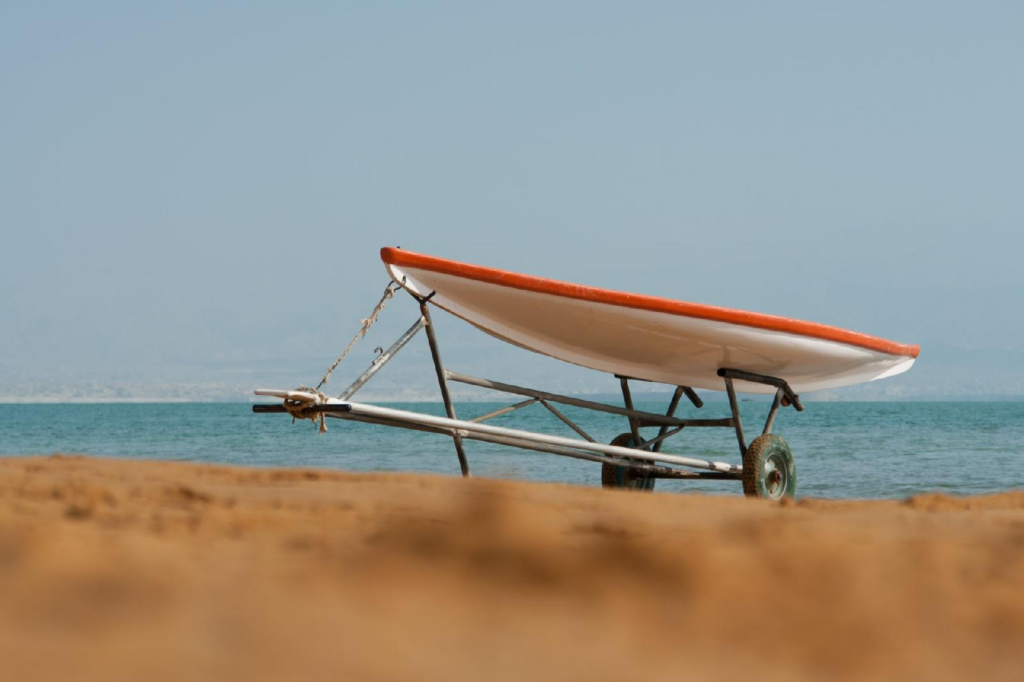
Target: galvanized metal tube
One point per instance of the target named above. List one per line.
(458, 426)
(343, 411)
(379, 363)
(646, 467)
(442, 382)
(505, 410)
(570, 423)
(692, 395)
(763, 379)
(661, 438)
(737, 422)
(690, 423)
(672, 406)
(773, 412)
(694, 423)
(634, 425)
(567, 452)
(565, 400)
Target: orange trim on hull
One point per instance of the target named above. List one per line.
(399, 257)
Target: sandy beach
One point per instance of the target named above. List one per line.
(118, 569)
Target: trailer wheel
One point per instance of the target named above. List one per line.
(623, 477)
(768, 468)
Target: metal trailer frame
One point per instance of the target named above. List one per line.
(645, 459)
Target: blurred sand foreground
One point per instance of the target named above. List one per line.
(113, 569)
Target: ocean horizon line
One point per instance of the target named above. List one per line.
(709, 396)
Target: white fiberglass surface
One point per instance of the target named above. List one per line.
(655, 346)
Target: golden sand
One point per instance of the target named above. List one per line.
(131, 570)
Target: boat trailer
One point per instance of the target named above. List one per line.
(631, 460)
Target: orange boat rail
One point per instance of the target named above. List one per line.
(543, 285)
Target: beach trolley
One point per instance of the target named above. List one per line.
(633, 337)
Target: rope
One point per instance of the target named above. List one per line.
(389, 291)
(296, 408)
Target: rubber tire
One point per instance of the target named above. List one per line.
(764, 448)
(623, 477)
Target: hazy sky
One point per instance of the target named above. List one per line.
(197, 192)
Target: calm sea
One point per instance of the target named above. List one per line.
(876, 450)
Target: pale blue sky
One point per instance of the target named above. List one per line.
(197, 193)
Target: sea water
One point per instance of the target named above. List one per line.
(842, 450)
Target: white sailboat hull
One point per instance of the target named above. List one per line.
(647, 338)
